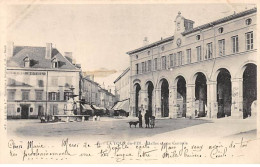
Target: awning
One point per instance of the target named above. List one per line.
(122, 105)
(96, 107)
(103, 108)
(86, 107)
(117, 105)
(125, 105)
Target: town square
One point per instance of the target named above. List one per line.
(131, 72)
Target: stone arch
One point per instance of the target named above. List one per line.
(159, 83)
(195, 74)
(242, 68)
(180, 83)
(149, 88)
(224, 90)
(200, 81)
(164, 97)
(137, 89)
(177, 78)
(137, 81)
(249, 77)
(215, 74)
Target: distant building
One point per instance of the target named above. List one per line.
(209, 70)
(39, 81)
(90, 91)
(107, 99)
(122, 91)
(122, 86)
(95, 95)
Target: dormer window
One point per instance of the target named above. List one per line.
(26, 61)
(220, 30)
(248, 21)
(198, 37)
(54, 63)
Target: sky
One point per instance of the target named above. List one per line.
(99, 35)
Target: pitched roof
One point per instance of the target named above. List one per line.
(37, 58)
(120, 76)
(151, 45)
(204, 26)
(222, 20)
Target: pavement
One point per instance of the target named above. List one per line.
(118, 129)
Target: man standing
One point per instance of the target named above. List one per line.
(140, 119)
(146, 117)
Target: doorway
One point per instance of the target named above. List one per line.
(25, 111)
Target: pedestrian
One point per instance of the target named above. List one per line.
(146, 117)
(140, 117)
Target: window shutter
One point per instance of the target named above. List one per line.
(159, 63)
(58, 96)
(168, 61)
(49, 95)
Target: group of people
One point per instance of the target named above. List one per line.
(147, 117)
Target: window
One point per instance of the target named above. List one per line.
(25, 95)
(148, 52)
(26, 62)
(163, 62)
(171, 60)
(234, 44)
(188, 56)
(11, 95)
(198, 37)
(220, 30)
(137, 69)
(40, 83)
(208, 51)
(67, 95)
(143, 67)
(174, 60)
(149, 65)
(249, 41)
(199, 57)
(155, 64)
(180, 58)
(136, 56)
(54, 63)
(162, 48)
(38, 95)
(54, 96)
(248, 21)
(221, 47)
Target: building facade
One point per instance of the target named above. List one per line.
(122, 86)
(90, 91)
(207, 71)
(94, 94)
(40, 80)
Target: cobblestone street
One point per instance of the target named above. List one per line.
(118, 129)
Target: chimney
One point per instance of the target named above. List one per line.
(9, 49)
(145, 42)
(68, 56)
(48, 51)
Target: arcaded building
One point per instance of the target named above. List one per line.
(205, 71)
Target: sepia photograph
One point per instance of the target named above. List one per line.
(129, 82)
